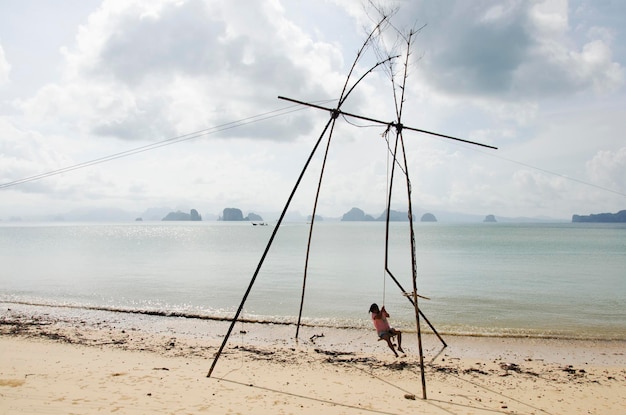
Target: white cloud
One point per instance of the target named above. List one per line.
(607, 168)
(25, 153)
(157, 69)
(5, 68)
(509, 51)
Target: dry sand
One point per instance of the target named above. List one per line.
(56, 366)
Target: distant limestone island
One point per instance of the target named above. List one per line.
(357, 215)
(428, 217)
(619, 217)
(228, 214)
(193, 215)
(353, 215)
(234, 214)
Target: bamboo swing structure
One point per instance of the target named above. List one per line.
(398, 155)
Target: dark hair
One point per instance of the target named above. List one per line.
(374, 308)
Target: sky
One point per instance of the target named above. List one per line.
(174, 103)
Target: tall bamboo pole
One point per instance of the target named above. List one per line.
(333, 117)
(334, 114)
(267, 248)
(399, 108)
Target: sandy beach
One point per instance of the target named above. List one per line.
(58, 365)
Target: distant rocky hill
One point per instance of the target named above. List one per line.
(428, 217)
(619, 217)
(104, 214)
(193, 215)
(356, 214)
(234, 214)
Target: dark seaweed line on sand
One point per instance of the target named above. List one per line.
(196, 316)
(165, 313)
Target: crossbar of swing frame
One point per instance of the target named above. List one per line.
(398, 126)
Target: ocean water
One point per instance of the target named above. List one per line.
(544, 280)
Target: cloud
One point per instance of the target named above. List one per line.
(509, 50)
(158, 69)
(555, 70)
(5, 68)
(25, 153)
(607, 169)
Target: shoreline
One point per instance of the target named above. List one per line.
(82, 311)
(78, 366)
(142, 333)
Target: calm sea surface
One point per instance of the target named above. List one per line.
(562, 280)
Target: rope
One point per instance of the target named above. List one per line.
(174, 140)
(386, 196)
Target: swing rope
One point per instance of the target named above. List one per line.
(386, 198)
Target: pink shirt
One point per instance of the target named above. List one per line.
(381, 324)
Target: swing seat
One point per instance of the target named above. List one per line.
(411, 294)
(394, 344)
(391, 336)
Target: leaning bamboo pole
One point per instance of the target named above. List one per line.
(267, 248)
(334, 114)
(342, 98)
(410, 213)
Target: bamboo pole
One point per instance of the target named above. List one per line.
(414, 272)
(308, 246)
(399, 137)
(267, 248)
(333, 117)
(334, 114)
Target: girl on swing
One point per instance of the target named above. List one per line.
(384, 330)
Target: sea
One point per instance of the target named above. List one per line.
(560, 280)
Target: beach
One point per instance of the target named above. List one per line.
(60, 365)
